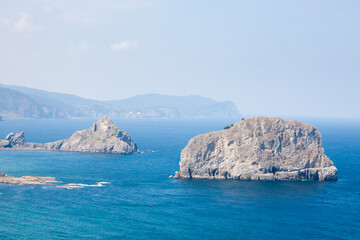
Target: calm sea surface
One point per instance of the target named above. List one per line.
(141, 202)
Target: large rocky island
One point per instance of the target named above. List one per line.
(260, 148)
(104, 137)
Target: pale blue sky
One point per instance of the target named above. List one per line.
(295, 58)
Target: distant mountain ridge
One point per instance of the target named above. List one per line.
(18, 102)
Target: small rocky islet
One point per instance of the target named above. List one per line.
(102, 137)
(38, 180)
(27, 180)
(259, 148)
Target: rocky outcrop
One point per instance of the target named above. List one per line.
(104, 136)
(13, 140)
(4, 144)
(16, 139)
(260, 148)
(26, 180)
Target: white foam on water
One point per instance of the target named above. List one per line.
(104, 182)
(81, 185)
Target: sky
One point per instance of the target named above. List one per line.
(271, 58)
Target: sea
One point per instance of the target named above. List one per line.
(132, 196)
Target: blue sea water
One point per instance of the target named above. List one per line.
(141, 202)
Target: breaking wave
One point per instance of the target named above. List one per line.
(81, 185)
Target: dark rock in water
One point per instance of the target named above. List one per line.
(104, 136)
(261, 148)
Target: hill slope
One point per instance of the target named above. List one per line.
(21, 102)
(158, 106)
(14, 105)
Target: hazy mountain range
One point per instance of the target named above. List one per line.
(22, 103)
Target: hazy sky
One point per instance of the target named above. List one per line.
(298, 58)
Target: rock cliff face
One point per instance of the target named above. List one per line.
(260, 148)
(104, 136)
(16, 139)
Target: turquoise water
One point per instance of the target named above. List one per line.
(141, 202)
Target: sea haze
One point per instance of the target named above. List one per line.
(139, 201)
(29, 103)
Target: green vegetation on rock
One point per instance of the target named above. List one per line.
(229, 126)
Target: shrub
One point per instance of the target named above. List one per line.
(227, 127)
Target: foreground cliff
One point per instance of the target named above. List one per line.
(104, 136)
(260, 148)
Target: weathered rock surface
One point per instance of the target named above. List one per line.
(26, 180)
(260, 148)
(104, 136)
(4, 144)
(16, 139)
